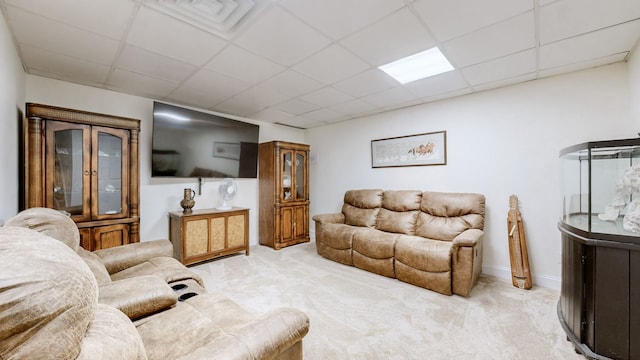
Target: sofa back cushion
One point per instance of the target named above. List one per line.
(399, 211)
(49, 222)
(444, 216)
(47, 293)
(361, 207)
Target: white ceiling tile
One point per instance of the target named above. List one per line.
(508, 37)
(302, 122)
(241, 64)
(325, 115)
(270, 115)
(279, 36)
(215, 87)
(354, 107)
(65, 67)
(193, 97)
(251, 101)
(392, 38)
(338, 18)
(365, 83)
(326, 97)
(390, 97)
(61, 38)
(165, 35)
(597, 44)
(332, 64)
(132, 83)
(145, 62)
(502, 68)
(591, 63)
(564, 19)
(446, 82)
(88, 15)
(506, 82)
(447, 95)
(292, 83)
(448, 19)
(295, 106)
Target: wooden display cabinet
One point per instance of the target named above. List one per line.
(284, 194)
(208, 233)
(86, 165)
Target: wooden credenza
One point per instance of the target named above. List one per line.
(208, 233)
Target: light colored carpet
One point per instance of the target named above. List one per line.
(355, 314)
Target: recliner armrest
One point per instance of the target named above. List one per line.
(138, 297)
(122, 257)
(336, 218)
(468, 237)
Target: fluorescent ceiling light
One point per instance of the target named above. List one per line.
(418, 66)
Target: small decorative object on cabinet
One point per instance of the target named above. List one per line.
(599, 305)
(187, 203)
(206, 234)
(284, 193)
(86, 165)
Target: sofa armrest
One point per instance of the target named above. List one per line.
(336, 218)
(122, 257)
(469, 237)
(139, 296)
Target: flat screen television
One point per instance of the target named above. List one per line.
(189, 143)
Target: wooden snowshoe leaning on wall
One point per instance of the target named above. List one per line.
(520, 274)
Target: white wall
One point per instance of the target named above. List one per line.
(634, 86)
(158, 196)
(11, 109)
(499, 142)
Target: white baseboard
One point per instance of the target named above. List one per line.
(504, 273)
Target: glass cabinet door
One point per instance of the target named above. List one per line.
(109, 174)
(287, 175)
(301, 191)
(68, 168)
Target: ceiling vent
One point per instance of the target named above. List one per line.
(220, 17)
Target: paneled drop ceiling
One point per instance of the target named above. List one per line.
(308, 63)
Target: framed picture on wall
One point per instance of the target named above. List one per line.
(411, 150)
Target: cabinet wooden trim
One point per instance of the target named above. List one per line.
(38, 149)
(206, 234)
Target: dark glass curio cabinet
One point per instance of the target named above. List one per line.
(85, 165)
(599, 305)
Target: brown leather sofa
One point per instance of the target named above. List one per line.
(429, 239)
(59, 301)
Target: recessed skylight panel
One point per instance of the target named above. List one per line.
(418, 66)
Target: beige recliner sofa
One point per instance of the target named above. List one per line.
(428, 239)
(59, 301)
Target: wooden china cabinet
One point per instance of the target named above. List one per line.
(86, 165)
(284, 194)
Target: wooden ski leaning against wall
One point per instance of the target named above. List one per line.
(520, 273)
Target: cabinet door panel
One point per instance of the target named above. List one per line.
(218, 231)
(286, 223)
(109, 174)
(196, 239)
(110, 236)
(299, 224)
(236, 230)
(68, 168)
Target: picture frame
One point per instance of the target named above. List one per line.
(410, 150)
(226, 150)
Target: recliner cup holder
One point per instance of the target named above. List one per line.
(186, 296)
(178, 287)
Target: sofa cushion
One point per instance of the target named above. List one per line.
(373, 243)
(446, 215)
(338, 236)
(48, 296)
(399, 222)
(402, 200)
(361, 207)
(96, 266)
(423, 254)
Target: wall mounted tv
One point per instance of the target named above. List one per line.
(188, 143)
